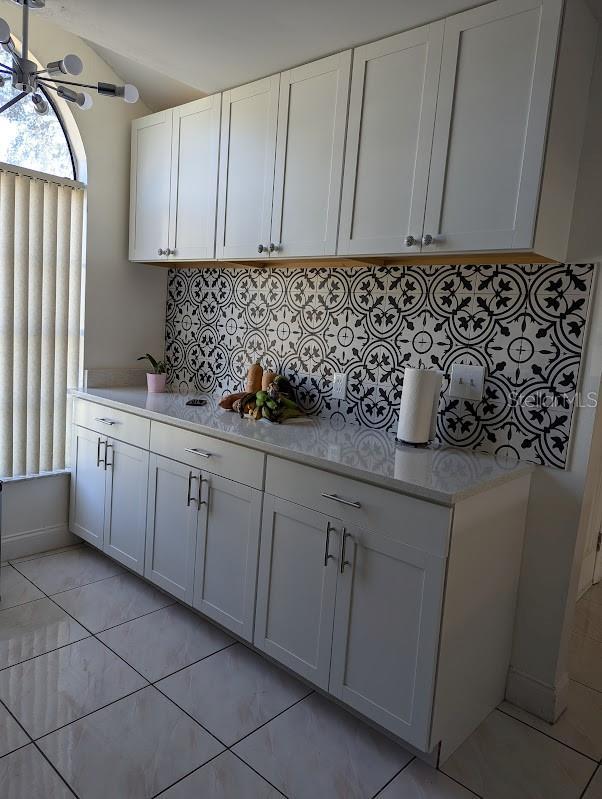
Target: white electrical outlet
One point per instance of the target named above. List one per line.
(467, 381)
(339, 386)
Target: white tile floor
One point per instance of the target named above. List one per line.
(110, 689)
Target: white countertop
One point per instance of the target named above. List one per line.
(441, 474)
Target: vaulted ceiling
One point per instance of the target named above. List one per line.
(215, 44)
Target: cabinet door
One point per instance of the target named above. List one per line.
(125, 507)
(296, 588)
(150, 186)
(490, 126)
(389, 137)
(246, 173)
(227, 552)
(194, 161)
(171, 526)
(386, 632)
(312, 115)
(87, 507)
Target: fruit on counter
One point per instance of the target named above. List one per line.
(267, 378)
(228, 401)
(254, 376)
(270, 404)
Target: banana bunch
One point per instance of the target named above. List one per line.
(273, 403)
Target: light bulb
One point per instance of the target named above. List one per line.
(69, 65)
(40, 104)
(72, 64)
(130, 93)
(4, 32)
(84, 101)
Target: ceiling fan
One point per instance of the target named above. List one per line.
(27, 79)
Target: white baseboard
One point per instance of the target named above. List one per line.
(31, 542)
(546, 702)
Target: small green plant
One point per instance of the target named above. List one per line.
(158, 367)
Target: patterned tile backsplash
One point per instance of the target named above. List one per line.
(524, 323)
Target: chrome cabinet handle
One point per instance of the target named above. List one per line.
(199, 500)
(274, 247)
(98, 460)
(169, 252)
(106, 461)
(102, 420)
(198, 452)
(327, 555)
(261, 248)
(410, 241)
(190, 499)
(344, 562)
(427, 239)
(336, 498)
(161, 252)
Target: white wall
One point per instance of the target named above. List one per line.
(34, 515)
(553, 548)
(124, 303)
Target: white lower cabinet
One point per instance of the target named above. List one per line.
(88, 479)
(386, 632)
(296, 588)
(399, 607)
(171, 526)
(125, 504)
(227, 553)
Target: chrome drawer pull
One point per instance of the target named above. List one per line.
(198, 452)
(104, 421)
(106, 460)
(335, 498)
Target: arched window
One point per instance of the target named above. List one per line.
(32, 141)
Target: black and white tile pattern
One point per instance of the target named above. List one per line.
(524, 323)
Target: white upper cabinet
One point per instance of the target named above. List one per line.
(194, 164)
(497, 73)
(150, 186)
(390, 130)
(246, 175)
(312, 116)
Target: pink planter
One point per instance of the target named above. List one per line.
(155, 383)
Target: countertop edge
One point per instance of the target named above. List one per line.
(408, 489)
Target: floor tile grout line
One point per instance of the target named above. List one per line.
(188, 774)
(585, 685)
(545, 734)
(259, 774)
(55, 769)
(129, 621)
(394, 777)
(576, 632)
(47, 652)
(286, 709)
(89, 713)
(31, 742)
(74, 587)
(589, 782)
(461, 784)
(47, 554)
(189, 665)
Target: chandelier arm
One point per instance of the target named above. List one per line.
(12, 102)
(93, 86)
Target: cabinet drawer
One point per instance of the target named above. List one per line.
(414, 522)
(209, 454)
(111, 422)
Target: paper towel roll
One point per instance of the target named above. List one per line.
(418, 408)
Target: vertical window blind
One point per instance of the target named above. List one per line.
(41, 239)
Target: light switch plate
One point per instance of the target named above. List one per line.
(467, 381)
(339, 386)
